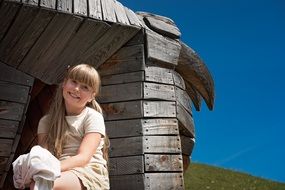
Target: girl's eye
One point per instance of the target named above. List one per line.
(74, 81)
(85, 87)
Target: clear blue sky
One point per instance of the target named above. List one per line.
(243, 44)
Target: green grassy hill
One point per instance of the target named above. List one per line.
(201, 176)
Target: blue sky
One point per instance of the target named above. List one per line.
(242, 42)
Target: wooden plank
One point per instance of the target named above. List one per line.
(95, 10)
(48, 3)
(64, 6)
(139, 38)
(122, 78)
(123, 110)
(121, 92)
(178, 80)
(29, 37)
(133, 19)
(162, 26)
(163, 163)
(3, 164)
(194, 96)
(6, 146)
(127, 182)
(11, 110)
(187, 145)
(10, 74)
(127, 59)
(80, 7)
(18, 28)
(8, 11)
(120, 13)
(89, 33)
(162, 49)
(161, 144)
(108, 10)
(108, 44)
(184, 100)
(126, 147)
(30, 2)
(186, 123)
(13, 92)
(50, 44)
(124, 128)
(160, 127)
(8, 128)
(139, 127)
(159, 75)
(163, 180)
(156, 91)
(159, 109)
(126, 165)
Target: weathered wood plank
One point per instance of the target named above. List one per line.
(89, 33)
(29, 37)
(3, 164)
(30, 2)
(18, 28)
(13, 92)
(163, 180)
(187, 144)
(10, 74)
(126, 165)
(108, 44)
(133, 19)
(162, 49)
(8, 11)
(6, 146)
(158, 91)
(163, 163)
(108, 10)
(160, 127)
(178, 80)
(121, 92)
(162, 144)
(194, 95)
(186, 123)
(183, 99)
(126, 146)
(95, 10)
(127, 59)
(123, 110)
(8, 128)
(159, 109)
(64, 6)
(48, 3)
(162, 26)
(11, 110)
(139, 109)
(80, 7)
(159, 75)
(139, 38)
(122, 78)
(120, 13)
(50, 44)
(127, 182)
(139, 127)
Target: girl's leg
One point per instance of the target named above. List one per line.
(68, 181)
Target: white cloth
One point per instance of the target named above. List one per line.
(39, 165)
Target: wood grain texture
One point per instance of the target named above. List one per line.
(163, 163)
(64, 6)
(95, 9)
(126, 165)
(158, 75)
(11, 110)
(162, 180)
(8, 128)
(14, 92)
(135, 181)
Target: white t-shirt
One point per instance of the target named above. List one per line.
(89, 120)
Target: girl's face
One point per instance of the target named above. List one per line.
(76, 95)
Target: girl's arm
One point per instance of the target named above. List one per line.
(86, 150)
(42, 137)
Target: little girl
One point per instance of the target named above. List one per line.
(74, 132)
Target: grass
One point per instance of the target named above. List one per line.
(205, 177)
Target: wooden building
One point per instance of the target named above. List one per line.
(150, 80)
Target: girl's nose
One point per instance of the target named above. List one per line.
(77, 87)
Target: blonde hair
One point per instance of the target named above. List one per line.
(82, 73)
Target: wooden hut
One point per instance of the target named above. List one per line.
(150, 80)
